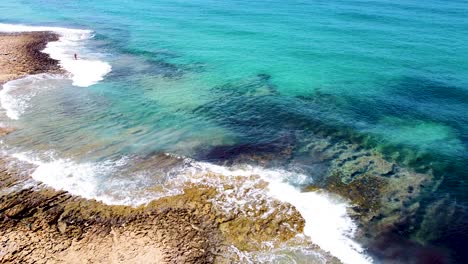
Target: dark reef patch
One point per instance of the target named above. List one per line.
(391, 248)
(230, 152)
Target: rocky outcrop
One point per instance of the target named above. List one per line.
(41, 225)
(20, 55)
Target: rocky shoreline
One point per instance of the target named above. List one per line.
(42, 225)
(20, 55)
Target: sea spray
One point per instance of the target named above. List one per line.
(92, 180)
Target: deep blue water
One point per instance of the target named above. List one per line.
(189, 76)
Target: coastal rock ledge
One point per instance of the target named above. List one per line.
(41, 225)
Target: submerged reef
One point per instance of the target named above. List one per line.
(385, 197)
(384, 194)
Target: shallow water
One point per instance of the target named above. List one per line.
(209, 81)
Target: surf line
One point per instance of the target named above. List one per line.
(86, 71)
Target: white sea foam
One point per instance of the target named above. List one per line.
(91, 180)
(327, 223)
(63, 174)
(87, 70)
(86, 179)
(16, 94)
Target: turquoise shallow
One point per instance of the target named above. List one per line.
(188, 76)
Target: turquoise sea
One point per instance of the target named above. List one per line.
(212, 80)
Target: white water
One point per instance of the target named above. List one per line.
(63, 174)
(85, 71)
(90, 180)
(16, 94)
(327, 223)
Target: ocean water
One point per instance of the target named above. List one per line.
(190, 78)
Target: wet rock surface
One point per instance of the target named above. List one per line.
(42, 225)
(385, 196)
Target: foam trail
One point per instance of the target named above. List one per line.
(85, 71)
(327, 221)
(90, 180)
(16, 94)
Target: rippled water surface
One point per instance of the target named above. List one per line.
(192, 77)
